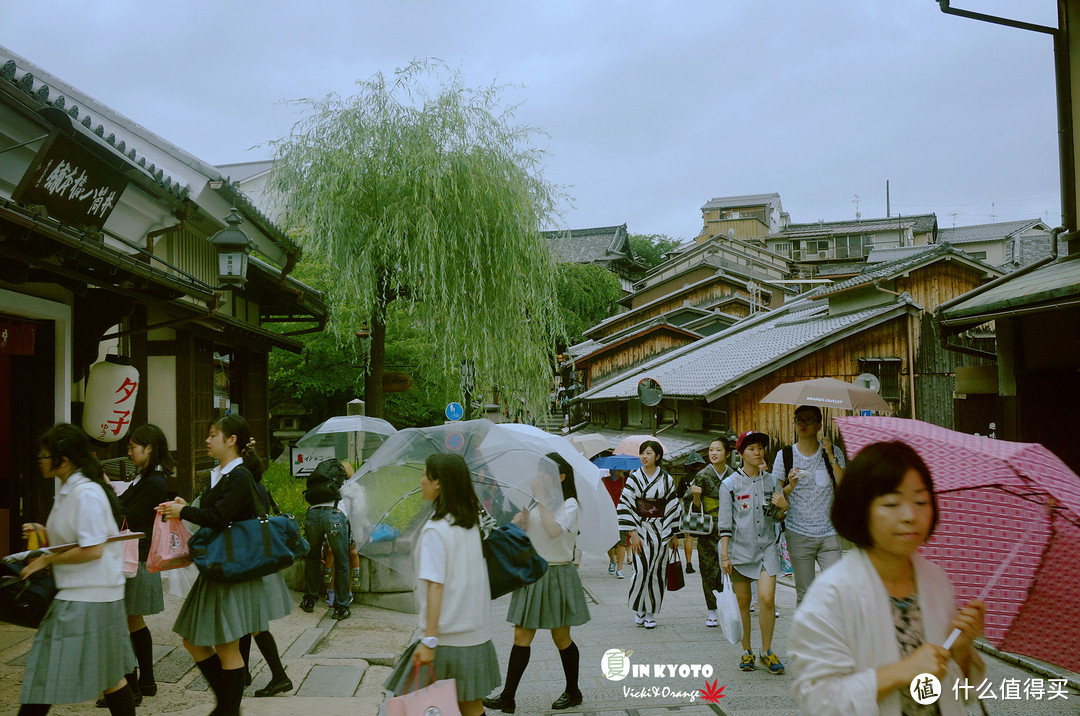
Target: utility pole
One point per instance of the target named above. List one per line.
(887, 206)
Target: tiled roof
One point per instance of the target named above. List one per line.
(888, 269)
(1057, 282)
(878, 256)
(731, 202)
(985, 232)
(846, 268)
(839, 228)
(727, 360)
(582, 246)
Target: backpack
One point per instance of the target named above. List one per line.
(324, 483)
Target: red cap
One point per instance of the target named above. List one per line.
(751, 436)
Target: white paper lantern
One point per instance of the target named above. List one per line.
(111, 390)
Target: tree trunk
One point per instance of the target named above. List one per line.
(373, 381)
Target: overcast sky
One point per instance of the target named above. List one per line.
(651, 108)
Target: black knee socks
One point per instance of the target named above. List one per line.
(231, 693)
(265, 641)
(34, 709)
(519, 659)
(143, 646)
(244, 644)
(121, 702)
(570, 657)
(211, 671)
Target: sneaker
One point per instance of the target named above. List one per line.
(639, 618)
(753, 607)
(690, 568)
(710, 618)
(307, 604)
(611, 568)
(770, 660)
(746, 661)
(619, 575)
(341, 613)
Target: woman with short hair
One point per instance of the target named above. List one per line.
(871, 623)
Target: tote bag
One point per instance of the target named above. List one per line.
(696, 523)
(438, 698)
(512, 560)
(248, 549)
(168, 545)
(675, 580)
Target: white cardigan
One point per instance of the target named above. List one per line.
(843, 631)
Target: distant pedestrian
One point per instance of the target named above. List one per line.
(326, 523)
(453, 591)
(870, 625)
(649, 510)
(81, 647)
(614, 482)
(809, 471)
(704, 495)
(752, 505)
(691, 465)
(556, 601)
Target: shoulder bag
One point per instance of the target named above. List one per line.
(23, 602)
(512, 560)
(248, 549)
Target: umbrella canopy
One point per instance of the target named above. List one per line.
(618, 462)
(349, 436)
(383, 499)
(590, 444)
(631, 444)
(989, 491)
(598, 524)
(827, 393)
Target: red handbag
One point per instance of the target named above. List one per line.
(675, 579)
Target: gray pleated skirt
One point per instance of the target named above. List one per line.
(142, 593)
(219, 612)
(475, 668)
(555, 600)
(278, 595)
(80, 649)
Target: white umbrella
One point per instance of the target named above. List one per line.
(590, 444)
(349, 436)
(598, 523)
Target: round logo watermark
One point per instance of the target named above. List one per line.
(615, 664)
(925, 689)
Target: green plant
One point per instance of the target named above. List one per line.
(287, 491)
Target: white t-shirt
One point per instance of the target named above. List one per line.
(558, 549)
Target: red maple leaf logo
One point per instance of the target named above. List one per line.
(712, 694)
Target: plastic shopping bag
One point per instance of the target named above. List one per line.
(131, 556)
(168, 546)
(727, 610)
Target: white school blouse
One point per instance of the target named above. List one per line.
(81, 513)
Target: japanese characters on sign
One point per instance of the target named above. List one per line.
(71, 183)
(111, 391)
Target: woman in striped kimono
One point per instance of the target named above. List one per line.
(649, 510)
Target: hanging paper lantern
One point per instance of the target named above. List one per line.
(111, 390)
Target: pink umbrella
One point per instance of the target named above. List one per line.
(631, 443)
(990, 492)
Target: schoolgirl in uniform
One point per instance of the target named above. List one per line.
(556, 601)
(148, 450)
(216, 614)
(454, 592)
(79, 649)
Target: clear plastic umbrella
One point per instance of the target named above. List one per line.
(383, 498)
(598, 525)
(349, 437)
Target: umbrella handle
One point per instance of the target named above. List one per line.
(1005, 563)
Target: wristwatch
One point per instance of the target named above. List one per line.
(430, 641)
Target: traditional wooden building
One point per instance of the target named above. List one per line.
(105, 249)
(607, 246)
(879, 322)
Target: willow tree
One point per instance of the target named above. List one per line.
(431, 197)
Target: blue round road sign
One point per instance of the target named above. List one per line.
(454, 411)
(454, 441)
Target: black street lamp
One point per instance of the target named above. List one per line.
(232, 246)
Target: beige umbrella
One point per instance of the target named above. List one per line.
(827, 393)
(590, 444)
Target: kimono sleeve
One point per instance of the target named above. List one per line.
(627, 509)
(673, 513)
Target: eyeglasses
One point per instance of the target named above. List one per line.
(806, 421)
